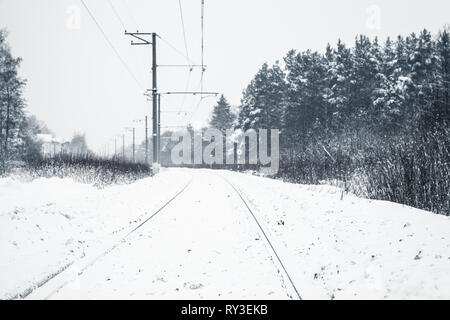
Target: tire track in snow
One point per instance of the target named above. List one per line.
(265, 235)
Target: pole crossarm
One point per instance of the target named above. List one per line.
(190, 93)
(182, 66)
(139, 35)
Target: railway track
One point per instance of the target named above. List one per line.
(50, 288)
(53, 275)
(273, 249)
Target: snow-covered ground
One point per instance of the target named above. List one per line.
(352, 248)
(48, 224)
(205, 244)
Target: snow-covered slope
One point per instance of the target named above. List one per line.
(47, 224)
(352, 248)
(206, 245)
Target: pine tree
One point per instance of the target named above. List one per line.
(441, 107)
(389, 96)
(340, 84)
(306, 105)
(262, 103)
(222, 116)
(365, 81)
(424, 76)
(78, 144)
(12, 104)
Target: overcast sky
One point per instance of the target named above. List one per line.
(76, 83)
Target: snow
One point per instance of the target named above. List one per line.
(353, 248)
(48, 138)
(206, 245)
(49, 223)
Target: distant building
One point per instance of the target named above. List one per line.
(52, 146)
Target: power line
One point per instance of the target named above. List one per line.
(112, 46)
(203, 41)
(202, 22)
(186, 88)
(195, 110)
(176, 50)
(116, 14)
(199, 102)
(209, 95)
(184, 30)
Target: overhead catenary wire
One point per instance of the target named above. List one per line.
(202, 97)
(186, 88)
(194, 112)
(190, 61)
(210, 95)
(202, 41)
(183, 99)
(184, 29)
(186, 56)
(116, 14)
(112, 46)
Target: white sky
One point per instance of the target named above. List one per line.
(77, 84)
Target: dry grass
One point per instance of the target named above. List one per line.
(90, 169)
(410, 169)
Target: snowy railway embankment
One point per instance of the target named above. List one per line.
(333, 248)
(352, 248)
(48, 224)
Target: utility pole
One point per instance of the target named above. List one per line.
(159, 128)
(146, 140)
(123, 147)
(134, 146)
(154, 96)
(142, 41)
(115, 147)
(156, 107)
(146, 137)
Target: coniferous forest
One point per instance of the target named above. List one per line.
(148, 152)
(371, 117)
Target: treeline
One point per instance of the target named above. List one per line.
(17, 131)
(373, 117)
(87, 168)
(400, 86)
(27, 143)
